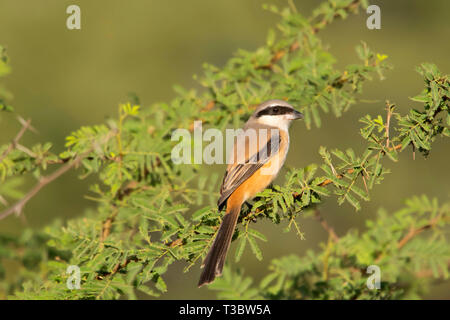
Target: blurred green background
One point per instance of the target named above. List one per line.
(64, 79)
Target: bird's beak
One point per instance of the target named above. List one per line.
(297, 115)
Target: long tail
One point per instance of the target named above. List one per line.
(215, 259)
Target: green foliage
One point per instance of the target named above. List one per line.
(151, 212)
(234, 286)
(421, 127)
(339, 271)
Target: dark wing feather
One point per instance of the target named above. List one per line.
(238, 173)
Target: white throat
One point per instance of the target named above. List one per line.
(281, 122)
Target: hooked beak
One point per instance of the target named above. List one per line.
(297, 115)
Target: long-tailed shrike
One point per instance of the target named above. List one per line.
(258, 154)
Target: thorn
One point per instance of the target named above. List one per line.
(3, 201)
(27, 124)
(365, 184)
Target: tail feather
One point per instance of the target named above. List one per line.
(215, 259)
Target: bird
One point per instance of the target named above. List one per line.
(259, 152)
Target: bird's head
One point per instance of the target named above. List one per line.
(275, 113)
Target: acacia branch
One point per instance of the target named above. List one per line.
(413, 232)
(107, 225)
(389, 108)
(15, 141)
(17, 208)
(350, 171)
(352, 7)
(429, 272)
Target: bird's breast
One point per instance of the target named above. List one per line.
(266, 174)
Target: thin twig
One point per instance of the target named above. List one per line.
(18, 207)
(43, 181)
(15, 141)
(23, 122)
(415, 231)
(388, 121)
(339, 176)
(352, 7)
(315, 29)
(428, 272)
(107, 225)
(365, 183)
(350, 171)
(3, 201)
(292, 6)
(25, 150)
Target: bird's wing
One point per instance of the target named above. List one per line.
(247, 163)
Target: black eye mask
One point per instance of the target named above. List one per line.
(275, 110)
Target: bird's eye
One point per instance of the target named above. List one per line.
(275, 110)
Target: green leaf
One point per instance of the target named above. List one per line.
(240, 248)
(255, 249)
(352, 200)
(199, 214)
(160, 284)
(257, 234)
